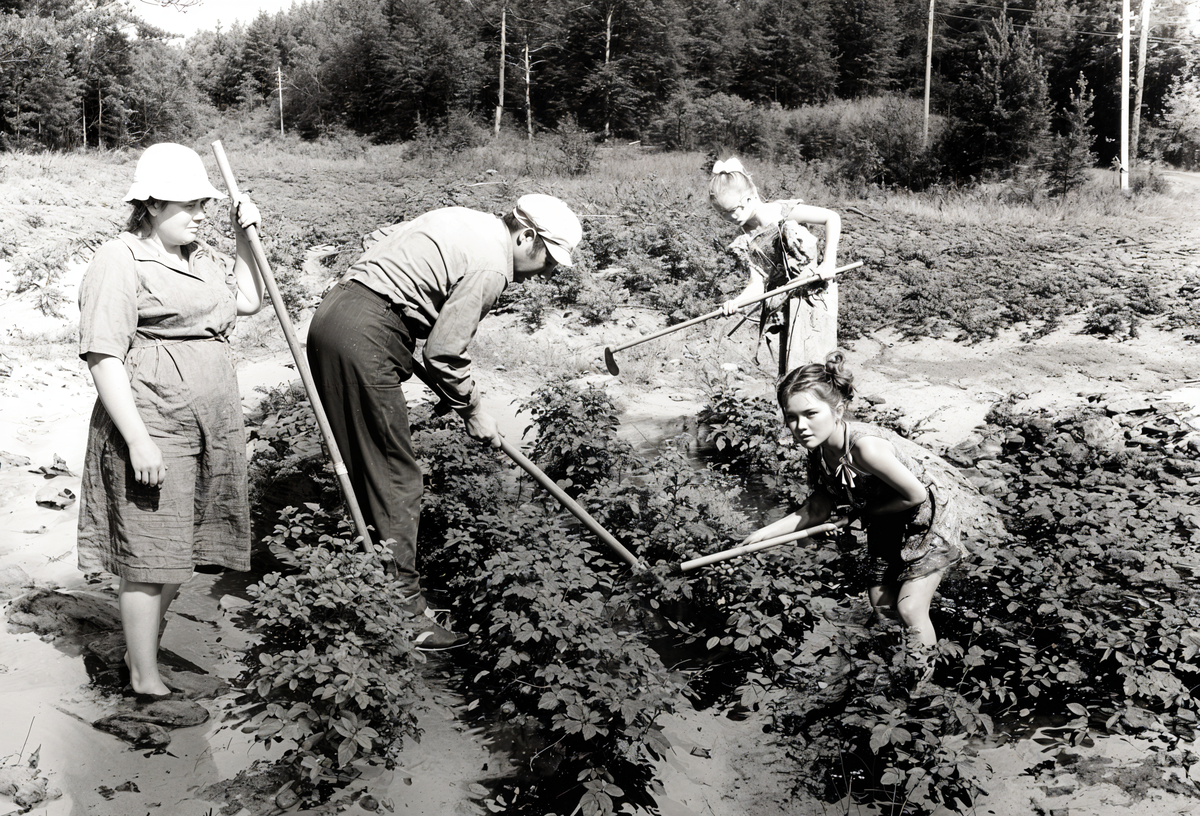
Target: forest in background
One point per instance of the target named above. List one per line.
(805, 80)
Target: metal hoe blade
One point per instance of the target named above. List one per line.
(611, 362)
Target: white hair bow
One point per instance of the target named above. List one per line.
(730, 165)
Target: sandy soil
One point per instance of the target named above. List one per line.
(721, 767)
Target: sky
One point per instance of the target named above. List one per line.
(204, 14)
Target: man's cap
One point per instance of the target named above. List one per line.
(171, 172)
(553, 220)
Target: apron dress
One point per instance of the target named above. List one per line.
(169, 323)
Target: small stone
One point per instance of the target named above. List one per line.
(369, 802)
(1104, 434)
(55, 496)
(13, 581)
(140, 734)
(232, 603)
(1128, 405)
(286, 798)
(169, 713)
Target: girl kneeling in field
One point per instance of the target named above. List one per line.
(912, 535)
(164, 482)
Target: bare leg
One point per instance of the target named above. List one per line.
(883, 601)
(913, 604)
(142, 608)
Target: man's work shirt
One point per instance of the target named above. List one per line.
(444, 270)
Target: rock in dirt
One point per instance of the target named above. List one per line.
(13, 581)
(168, 713)
(59, 468)
(1104, 434)
(13, 460)
(27, 787)
(136, 732)
(55, 496)
(48, 612)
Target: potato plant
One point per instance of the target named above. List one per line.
(1080, 616)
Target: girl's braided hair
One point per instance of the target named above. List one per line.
(829, 380)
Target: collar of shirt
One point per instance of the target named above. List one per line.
(144, 249)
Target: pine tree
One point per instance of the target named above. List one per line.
(38, 90)
(1001, 113)
(868, 43)
(1072, 155)
(789, 57)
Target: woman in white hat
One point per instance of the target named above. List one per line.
(164, 484)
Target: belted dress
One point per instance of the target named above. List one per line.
(169, 323)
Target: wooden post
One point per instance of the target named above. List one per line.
(1124, 94)
(928, 75)
(1143, 35)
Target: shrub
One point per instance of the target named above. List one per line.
(332, 670)
(576, 147)
(576, 442)
(717, 122)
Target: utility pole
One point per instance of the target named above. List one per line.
(279, 79)
(1141, 77)
(1124, 95)
(503, 48)
(928, 75)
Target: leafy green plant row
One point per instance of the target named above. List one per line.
(1080, 618)
(1080, 615)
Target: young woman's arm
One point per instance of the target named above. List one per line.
(112, 384)
(245, 269)
(758, 277)
(878, 457)
(756, 286)
(817, 510)
(808, 214)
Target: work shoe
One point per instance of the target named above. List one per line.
(431, 636)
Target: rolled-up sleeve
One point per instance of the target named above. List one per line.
(108, 302)
(458, 320)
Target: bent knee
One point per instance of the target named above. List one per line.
(912, 610)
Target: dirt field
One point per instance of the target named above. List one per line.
(720, 766)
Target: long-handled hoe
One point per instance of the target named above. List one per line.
(339, 466)
(611, 362)
(260, 257)
(725, 555)
(545, 481)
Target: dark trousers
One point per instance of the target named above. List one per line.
(360, 352)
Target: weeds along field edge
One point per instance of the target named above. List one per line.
(651, 239)
(1077, 616)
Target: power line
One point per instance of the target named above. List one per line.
(1113, 34)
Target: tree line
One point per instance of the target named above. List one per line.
(1006, 76)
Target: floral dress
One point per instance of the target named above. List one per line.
(169, 322)
(781, 252)
(901, 546)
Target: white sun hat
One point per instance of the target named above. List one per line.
(171, 172)
(553, 220)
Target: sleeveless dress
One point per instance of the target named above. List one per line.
(169, 322)
(901, 546)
